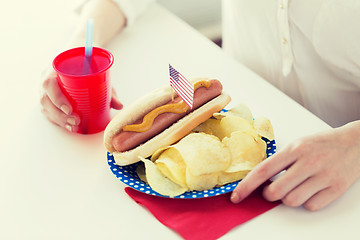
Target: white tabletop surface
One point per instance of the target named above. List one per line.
(57, 185)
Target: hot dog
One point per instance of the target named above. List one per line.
(155, 120)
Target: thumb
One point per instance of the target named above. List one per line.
(115, 101)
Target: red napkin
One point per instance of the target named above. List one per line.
(204, 218)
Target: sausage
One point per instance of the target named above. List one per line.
(124, 141)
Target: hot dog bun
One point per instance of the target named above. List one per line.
(167, 137)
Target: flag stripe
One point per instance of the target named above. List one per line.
(180, 89)
(186, 81)
(188, 87)
(183, 89)
(188, 98)
(185, 98)
(186, 92)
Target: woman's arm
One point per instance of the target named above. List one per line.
(109, 20)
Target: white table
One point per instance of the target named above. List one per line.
(56, 185)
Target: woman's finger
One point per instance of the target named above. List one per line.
(56, 96)
(261, 173)
(322, 199)
(305, 191)
(115, 101)
(294, 176)
(58, 117)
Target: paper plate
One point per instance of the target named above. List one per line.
(128, 175)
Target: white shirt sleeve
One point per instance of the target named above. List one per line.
(132, 9)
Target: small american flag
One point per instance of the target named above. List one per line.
(182, 86)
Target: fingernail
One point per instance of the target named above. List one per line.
(71, 121)
(68, 127)
(65, 109)
(235, 197)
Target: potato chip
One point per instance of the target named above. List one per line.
(224, 126)
(240, 110)
(246, 151)
(159, 182)
(228, 177)
(263, 126)
(157, 153)
(232, 124)
(210, 126)
(203, 153)
(194, 162)
(243, 111)
(201, 182)
(172, 165)
(140, 170)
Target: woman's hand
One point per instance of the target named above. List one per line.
(109, 20)
(319, 169)
(57, 108)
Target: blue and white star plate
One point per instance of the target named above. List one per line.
(127, 174)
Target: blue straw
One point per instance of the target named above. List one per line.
(88, 45)
(89, 37)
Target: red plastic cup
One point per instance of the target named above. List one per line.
(86, 83)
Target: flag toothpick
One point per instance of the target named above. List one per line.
(172, 94)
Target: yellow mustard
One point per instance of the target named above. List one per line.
(179, 107)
